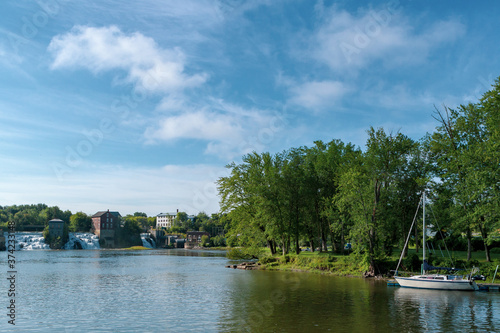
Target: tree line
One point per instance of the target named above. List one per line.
(37, 216)
(335, 192)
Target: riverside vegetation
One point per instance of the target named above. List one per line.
(334, 193)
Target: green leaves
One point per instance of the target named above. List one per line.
(466, 150)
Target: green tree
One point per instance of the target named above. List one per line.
(80, 222)
(129, 234)
(205, 241)
(365, 188)
(466, 151)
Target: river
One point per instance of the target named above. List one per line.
(192, 291)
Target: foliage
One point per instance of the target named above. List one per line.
(466, 151)
(80, 222)
(27, 216)
(412, 263)
(217, 241)
(205, 241)
(129, 235)
(141, 220)
(244, 253)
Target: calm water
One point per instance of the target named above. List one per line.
(184, 291)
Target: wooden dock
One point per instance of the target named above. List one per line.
(489, 287)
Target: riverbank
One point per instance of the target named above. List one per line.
(353, 265)
(319, 263)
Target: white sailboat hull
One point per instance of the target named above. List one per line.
(424, 282)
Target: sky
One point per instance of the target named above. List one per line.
(139, 106)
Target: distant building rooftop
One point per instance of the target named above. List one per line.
(167, 214)
(101, 213)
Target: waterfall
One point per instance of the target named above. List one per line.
(30, 241)
(82, 240)
(35, 241)
(147, 241)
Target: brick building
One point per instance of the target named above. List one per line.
(104, 225)
(193, 238)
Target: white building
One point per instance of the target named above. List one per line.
(165, 220)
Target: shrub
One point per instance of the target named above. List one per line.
(489, 269)
(236, 253)
(217, 241)
(232, 241)
(495, 250)
(412, 262)
(267, 260)
(331, 258)
(243, 253)
(205, 241)
(285, 259)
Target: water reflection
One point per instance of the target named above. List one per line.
(438, 311)
(298, 302)
(185, 290)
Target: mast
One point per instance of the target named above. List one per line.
(423, 233)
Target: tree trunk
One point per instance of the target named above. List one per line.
(342, 240)
(334, 243)
(311, 242)
(469, 244)
(323, 243)
(272, 246)
(372, 251)
(297, 245)
(484, 235)
(372, 232)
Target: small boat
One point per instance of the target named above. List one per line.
(450, 281)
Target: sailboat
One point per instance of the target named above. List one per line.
(426, 280)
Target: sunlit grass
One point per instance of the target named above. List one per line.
(138, 248)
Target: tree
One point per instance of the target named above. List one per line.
(466, 148)
(54, 212)
(365, 188)
(80, 222)
(182, 221)
(205, 241)
(129, 234)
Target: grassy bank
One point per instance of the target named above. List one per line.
(137, 248)
(355, 265)
(323, 263)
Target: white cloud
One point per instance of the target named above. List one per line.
(318, 94)
(348, 41)
(203, 124)
(102, 49)
(228, 129)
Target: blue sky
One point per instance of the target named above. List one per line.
(138, 106)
